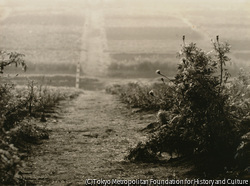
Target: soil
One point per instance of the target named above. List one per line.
(89, 140)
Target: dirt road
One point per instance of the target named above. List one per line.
(90, 140)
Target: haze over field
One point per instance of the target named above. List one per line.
(107, 35)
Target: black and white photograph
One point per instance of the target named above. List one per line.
(124, 92)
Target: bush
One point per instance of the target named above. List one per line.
(17, 104)
(9, 163)
(9, 156)
(146, 97)
(239, 105)
(202, 119)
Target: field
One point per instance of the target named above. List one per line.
(143, 29)
(55, 37)
(47, 37)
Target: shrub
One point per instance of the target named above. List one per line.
(9, 163)
(139, 95)
(239, 106)
(26, 133)
(200, 121)
(239, 95)
(18, 107)
(9, 156)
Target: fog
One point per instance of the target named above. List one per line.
(103, 35)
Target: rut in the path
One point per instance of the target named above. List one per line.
(90, 140)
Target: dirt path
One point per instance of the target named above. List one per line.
(90, 140)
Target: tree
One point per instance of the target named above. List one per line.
(9, 58)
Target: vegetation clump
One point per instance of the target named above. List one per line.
(146, 97)
(206, 116)
(20, 109)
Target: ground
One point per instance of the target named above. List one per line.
(89, 140)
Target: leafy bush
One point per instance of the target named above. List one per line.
(239, 95)
(17, 104)
(9, 156)
(9, 163)
(243, 151)
(26, 133)
(204, 119)
(240, 109)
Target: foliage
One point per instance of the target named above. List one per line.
(9, 58)
(243, 151)
(9, 163)
(143, 152)
(9, 157)
(206, 114)
(138, 95)
(239, 104)
(32, 100)
(239, 95)
(19, 104)
(202, 122)
(26, 133)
